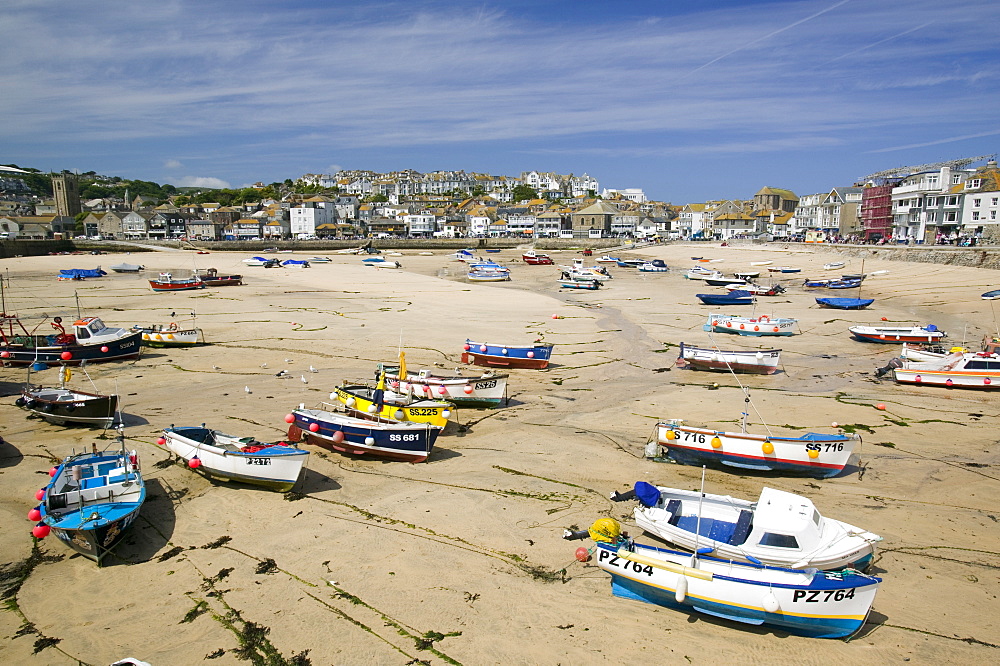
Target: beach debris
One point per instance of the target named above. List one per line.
(247, 389)
(281, 373)
(880, 406)
(288, 360)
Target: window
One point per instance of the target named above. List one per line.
(932, 217)
(778, 540)
(973, 184)
(932, 181)
(956, 179)
(993, 215)
(931, 202)
(993, 201)
(951, 201)
(950, 217)
(976, 203)
(975, 215)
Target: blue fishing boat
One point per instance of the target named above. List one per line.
(379, 437)
(845, 283)
(91, 500)
(81, 273)
(734, 297)
(535, 356)
(845, 303)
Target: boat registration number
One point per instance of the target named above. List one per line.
(424, 411)
(613, 560)
(258, 461)
(821, 596)
(480, 386)
(410, 437)
(825, 446)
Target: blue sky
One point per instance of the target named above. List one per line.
(689, 100)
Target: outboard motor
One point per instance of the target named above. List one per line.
(892, 365)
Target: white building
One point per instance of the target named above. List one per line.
(306, 216)
(632, 194)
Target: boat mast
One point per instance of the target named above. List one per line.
(697, 529)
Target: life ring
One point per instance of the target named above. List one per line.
(173, 326)
(764, 318)
(57, 324)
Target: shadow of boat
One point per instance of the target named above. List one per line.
(152, 530)
(10, 455)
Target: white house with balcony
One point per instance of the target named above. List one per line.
(632, 194)
(924, 205)
(420, 225)
(521, 223)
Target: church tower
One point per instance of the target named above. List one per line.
(66, 190)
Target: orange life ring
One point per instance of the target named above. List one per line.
(173, 326)
(764, 318)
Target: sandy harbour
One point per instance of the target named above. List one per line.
(460, 559)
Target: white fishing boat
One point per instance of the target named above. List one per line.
(761, 263)
(779, 529)
(700, 273)
(833, 265)
(488, 389)
(752, 361)
(378, 262)
(896, 334)
(959, 370)
(805, 602)
(753, 326)
(813, 454)
(275, 465)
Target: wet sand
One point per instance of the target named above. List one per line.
(461, 559)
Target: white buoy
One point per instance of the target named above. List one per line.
(680, 594)
(771, 604)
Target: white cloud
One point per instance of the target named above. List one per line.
(172, 164)
(207, 183)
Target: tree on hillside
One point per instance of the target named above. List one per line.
(523, 193)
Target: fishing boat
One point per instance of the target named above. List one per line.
(304, 263)
(757, 290)
(833, 265)
(379, 262)
(895, 334)
(167, 282)
(464, 255)
(492, 250)
(845, 303)
(784, 269)
(488, 276)
(816, 284)
(81, 273)
(256, 261)
(587, 283)
(90, 501)
(382, 438)
(761, 263)
(608, 259)
(488, 267)
(61, 405)
(580, 272)
(755, 326)
(700, 273)
(630, 263)
(754, 361)
(91, 341)
(534, 356)
(127, 268)
(320, 260)
(654, 266)
(723, 281)
(211, 278)
(813, 454)
(812, 603)
(979, 370)
(779, 529)
(488, 389)
(366, 401)
(746, 275)
(276, 465)
(918, 352)
(734, 297)
(534, 259)
(852, 283)
(170, 335)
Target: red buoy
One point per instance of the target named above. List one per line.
(194, 463)
(35, 515)
(313, 427)
(289, 418)
(105, 349)
(40, 495)
(582, 554)
(52, 472)
(161, 441)
(65, 356)
(40, 531)
(337, 436)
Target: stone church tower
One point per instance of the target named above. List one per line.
(66, 190)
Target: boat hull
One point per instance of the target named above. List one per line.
(589, 285)
(891, 336)
(164, 336)
(26, 353)
(488, 391)
(755, 327)
(815, 455)
(845, 303)
(760, 362)
(817, 605)
(274, 467)
(63, 406)
(360, 400)
(724, 299)
(534, 357)
(405, 441)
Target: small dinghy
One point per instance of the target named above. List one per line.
(230, 458)
(895, 334)
(755, 326)
(734, 297)
(534, 357)
(833, 265)
(779, 529)
(62, 405)
(127, 268)
(756, 361)
(845, 303)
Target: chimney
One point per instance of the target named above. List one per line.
(992, 164)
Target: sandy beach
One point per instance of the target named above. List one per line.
(460, 559)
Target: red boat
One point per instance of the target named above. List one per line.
(533, 259)
(167, 282)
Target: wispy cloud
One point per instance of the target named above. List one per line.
(938, 142)
(172, 164)
(206, 182)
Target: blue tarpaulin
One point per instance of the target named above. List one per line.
(76, 273)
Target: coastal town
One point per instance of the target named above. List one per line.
(954, 202)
